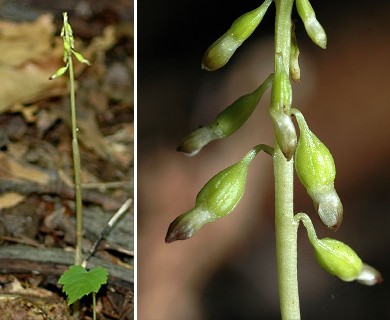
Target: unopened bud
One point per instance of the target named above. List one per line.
(196, 140)
(280, 110)
(328, 205)
(313, 28)
(219, 53)
(226, 122)
(60, 72)
(216, 199)
(316, 170)
(187, 224)
(80, 57)
(338, 259)
(284, 132)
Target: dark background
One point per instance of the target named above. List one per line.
(345, 92)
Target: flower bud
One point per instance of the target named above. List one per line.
(280, 110)
(80, 57)
(196, 140)
(187, 224)
(226, 122)
(316, 170)
(216, 199)
(295, 71)
(313, 28)
(328, 205)
(60, 72)
(284, 132)
(219, 53)
(337, 258)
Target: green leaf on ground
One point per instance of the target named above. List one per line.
(78, 282)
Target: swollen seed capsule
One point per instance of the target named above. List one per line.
(216, 199)
(220, 52)
(226, 122)
(234, 116)
(313, 28)
(316, 170)
(314, 163)
(337, 258)
(222, 193)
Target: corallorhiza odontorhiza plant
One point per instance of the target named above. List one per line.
(77, 281)
(293, 149)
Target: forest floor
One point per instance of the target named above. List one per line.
(37, 218)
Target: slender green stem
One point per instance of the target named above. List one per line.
(311, 232)
(77, 170)
(285, 226)
(94, 305)
(286, 237)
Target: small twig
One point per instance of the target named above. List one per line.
(109, 246)
(54, 261)
(102, 186)
(60, 189)
(26, 241)
(109, 226)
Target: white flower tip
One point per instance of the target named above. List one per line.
(369, 276)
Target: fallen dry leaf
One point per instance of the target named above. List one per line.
(28, 83)
(26, 41)
(89, 133)
(27, 59)
(10, 168)
(10, 199)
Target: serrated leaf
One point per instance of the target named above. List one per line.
(78, 282)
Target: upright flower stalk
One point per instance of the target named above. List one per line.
(314, 163)
(69, 51)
